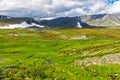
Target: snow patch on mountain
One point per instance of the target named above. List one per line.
(79, 25)
(22, 25)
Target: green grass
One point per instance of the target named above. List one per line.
(51, 54)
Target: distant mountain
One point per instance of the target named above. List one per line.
(102, 19)
(6, 21)
(12, 22)
(87, 21)
(2, 16)
(64, 22)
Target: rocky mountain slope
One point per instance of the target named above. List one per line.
(89, 21)
(102, 19)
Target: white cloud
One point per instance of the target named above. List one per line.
(97, 7)
(115, 8)
(75, 12)
(44, 8)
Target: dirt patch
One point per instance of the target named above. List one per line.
(82, 37)
(108, 59)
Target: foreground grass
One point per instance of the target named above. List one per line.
(32, 54)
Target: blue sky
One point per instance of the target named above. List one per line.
(112, 1)
(57, 8)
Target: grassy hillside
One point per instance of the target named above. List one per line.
(69, 54)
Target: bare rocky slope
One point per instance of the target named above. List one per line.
(102, 19)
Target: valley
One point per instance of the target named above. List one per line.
(59, 39)
(59, 54)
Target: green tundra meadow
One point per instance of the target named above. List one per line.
(62, 54)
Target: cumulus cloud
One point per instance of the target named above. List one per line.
(114, 8)
(49, 8)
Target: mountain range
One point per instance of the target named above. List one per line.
(89, 21)
(86, 21)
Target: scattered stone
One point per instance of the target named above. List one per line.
(113, 77)
(79, 37)
(51, 62)
(108, 59)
